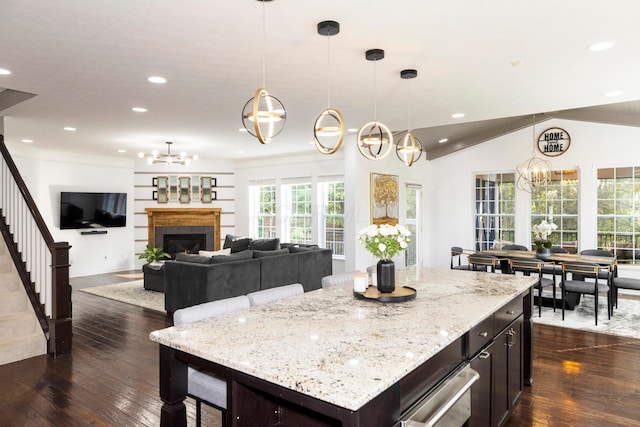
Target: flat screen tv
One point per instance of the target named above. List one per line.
(92, 210)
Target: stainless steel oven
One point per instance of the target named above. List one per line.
(447, 405)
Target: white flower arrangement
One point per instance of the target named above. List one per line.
(541, 233)
(384, 241)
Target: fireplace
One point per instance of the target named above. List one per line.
(187, 243)
(163, 221)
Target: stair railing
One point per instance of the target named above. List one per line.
(42, 263)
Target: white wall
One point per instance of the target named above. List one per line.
(48, 173)
(450, 182)
(221, 170)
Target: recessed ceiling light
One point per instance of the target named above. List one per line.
(613, 93)
(157, 80)
(443, 140)
(139, 109)
(241, 152)
(122, 151)
(600, 46)
(352, 130)
(28, 141)
(242, 130)
(4, 72)
(457, 115)
(70, 129)
(517, 63)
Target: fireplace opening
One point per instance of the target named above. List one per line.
(187, 243)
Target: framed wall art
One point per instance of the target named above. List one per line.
(384, 198)
(185, 189)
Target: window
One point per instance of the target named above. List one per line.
(619, 212)
(332, 223)
(298, 228)
(495, 210)
(413, 200)
(558, 203)
(264, 197)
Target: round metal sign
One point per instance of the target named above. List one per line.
(554, 142)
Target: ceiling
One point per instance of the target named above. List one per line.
(498, 62)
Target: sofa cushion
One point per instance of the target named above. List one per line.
(238, 256)
(262, 254)
(212, 253)
(265, 244)
(196, 259)
(298, 249)
(236, 243)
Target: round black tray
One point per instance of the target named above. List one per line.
(398, 295)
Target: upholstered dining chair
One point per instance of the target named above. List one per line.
(514, 248)
(529, 266)
(202, 386)
(456, 259)
(594, 286)
(605, 273)
(273, 294)
(338, 279)
(483, 262)
(628, 283)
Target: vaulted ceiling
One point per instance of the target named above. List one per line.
(500, 62)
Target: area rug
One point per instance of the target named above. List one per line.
(131, 275)
(623, 322)
(131, 293)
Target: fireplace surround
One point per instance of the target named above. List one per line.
(205, 221)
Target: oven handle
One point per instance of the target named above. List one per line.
(473, 376)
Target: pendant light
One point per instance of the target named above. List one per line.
(263, 116)
(374, 138)
(168, 158)
(330, 123)
(409, 148)
(533, 172)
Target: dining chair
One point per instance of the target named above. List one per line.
(602, 253)
(338, 279)
(529, 266)
(483, 262)
(512, 247)
(628, 283)
(551, 268)
(586, 270)
(456, 259)
(205, 387)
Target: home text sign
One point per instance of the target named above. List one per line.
(554, 142)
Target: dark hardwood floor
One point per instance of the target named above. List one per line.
(111, 379)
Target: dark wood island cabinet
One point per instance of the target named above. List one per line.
(326, 358)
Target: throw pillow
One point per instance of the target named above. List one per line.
(265, 244)
(213, 253)
(262, 254)
(196, 259)
(236, 243)
(238, 256)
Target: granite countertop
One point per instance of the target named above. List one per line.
(332, 346)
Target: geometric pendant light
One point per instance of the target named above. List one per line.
(328, 129)
(263, 116)
(409, 148)
(533, 172)
(374, 139)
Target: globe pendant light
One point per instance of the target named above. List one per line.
(263, 116)
(374, 138)
(330, 123)
(409, 148)
(533, 172)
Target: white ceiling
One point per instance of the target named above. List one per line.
(87, 63)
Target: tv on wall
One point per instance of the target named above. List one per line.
(92, 210)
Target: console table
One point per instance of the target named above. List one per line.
(328, 358)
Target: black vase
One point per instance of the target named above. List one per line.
(386, 275)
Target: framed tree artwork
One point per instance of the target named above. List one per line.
(384, 198)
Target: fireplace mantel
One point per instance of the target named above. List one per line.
(171, 217)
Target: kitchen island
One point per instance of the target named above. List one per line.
(328, 358)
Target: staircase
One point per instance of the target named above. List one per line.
(21, 336)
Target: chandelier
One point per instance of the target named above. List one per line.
(263, 116)
(330, 123)
(169, 159)
(535, 171)
(409, 148)
(374, 138)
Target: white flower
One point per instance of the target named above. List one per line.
(372, 231)
(403, 244)
(403, 230)
(382, 247)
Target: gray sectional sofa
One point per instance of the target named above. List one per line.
(260, 264)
